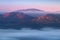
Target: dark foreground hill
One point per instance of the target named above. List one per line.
(18, 20)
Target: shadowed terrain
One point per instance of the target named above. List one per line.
(29, 18)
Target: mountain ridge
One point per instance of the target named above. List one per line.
(17, 20)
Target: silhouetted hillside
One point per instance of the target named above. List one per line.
(18, 20)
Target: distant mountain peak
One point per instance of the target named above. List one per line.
(31, 9)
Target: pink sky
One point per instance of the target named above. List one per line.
(15, 7)
(47, 5)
